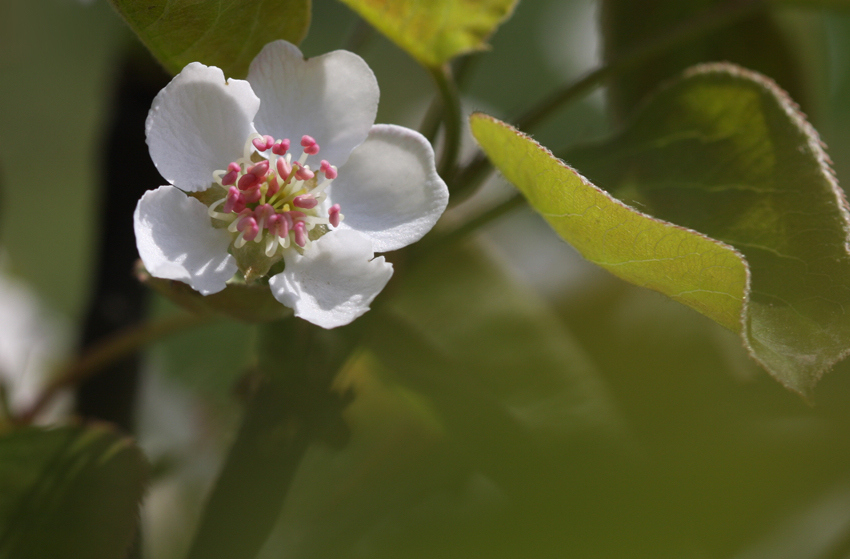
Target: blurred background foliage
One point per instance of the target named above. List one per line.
(511, 400)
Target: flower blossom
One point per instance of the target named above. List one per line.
(284, 168)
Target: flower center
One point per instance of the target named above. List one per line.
(269, 198)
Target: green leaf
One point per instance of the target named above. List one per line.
(725, 152)
(755, 42)
(223, 34)
(434, 32)
(684, 265)
(470, 387)
(68, 492)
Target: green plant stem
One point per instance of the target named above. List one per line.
(107, 351)
(361, 33)
(466, 181)
(451, 120)
(434, 115)
(432, 120)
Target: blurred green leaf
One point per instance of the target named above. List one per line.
(830, 4)
(223, 34)
(755, 42)
(482, 333)
(290, 406)
(725, 152)
(476, 417)
(435, 32)
(68, 492)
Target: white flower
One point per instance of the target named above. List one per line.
(252, 202)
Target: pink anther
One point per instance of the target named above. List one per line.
(303, 173)
(300, 230)
(334, 215)
(284, 169)
(305, 201)
(259, 143)
(231, 175)
(264, 212)
(310, 145)
(252, 194)
(248, 225)
(260, 169)
(280, 147)
(279, 225)
(328, 170)
(235, 202)
(247, 181)
(274, 186)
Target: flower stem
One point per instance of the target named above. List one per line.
(107, 351)
(466, 181)
(451, 120)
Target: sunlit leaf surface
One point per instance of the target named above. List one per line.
(68, 492)
(724, 152)
(436, 31)
(685, 265)
(224, 34)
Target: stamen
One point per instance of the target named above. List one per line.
(305, 201)
(280, 147)
(217, 215)
(247, 181)
(334, 216)
(253, 194)
(271, 245)
(263, 144)
(310, 145)
(235, 202)
(304, 173)
(300, 231)
(260, 169)
(284, 169)
(273, 187)
(248, 226)
(328, 169)
(232, 172)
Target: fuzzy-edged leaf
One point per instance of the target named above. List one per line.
(434, 32)
(69, 492)
(724, 151)
(224, 34)
(683, 264)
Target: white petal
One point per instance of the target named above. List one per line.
(177, 241)
(198, 124)
(390, 189)
(333, 98)
(334, 281)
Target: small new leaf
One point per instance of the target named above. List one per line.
(223, 34)
(434, 32)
